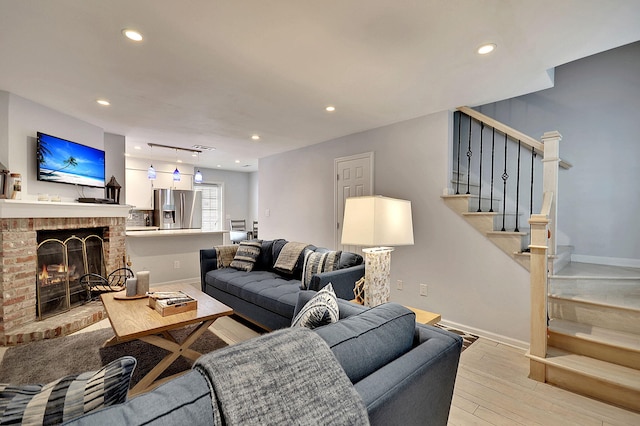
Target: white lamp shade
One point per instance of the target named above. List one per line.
(377, 221)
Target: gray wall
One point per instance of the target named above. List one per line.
(594, 105)
(471, 282)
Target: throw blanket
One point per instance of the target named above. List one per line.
(225, 255)
(287, 377)
(289, 256)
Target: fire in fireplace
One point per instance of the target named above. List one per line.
(63, 257)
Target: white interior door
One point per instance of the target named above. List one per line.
(354, 178)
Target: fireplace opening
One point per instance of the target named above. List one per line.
(63, 257)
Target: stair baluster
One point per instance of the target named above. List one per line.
(505, 176)
(480, 188)
(458, 169)
(469, 154)
(518, 191)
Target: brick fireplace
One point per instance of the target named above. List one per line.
(18, 258)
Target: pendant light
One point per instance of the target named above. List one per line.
(176, 172)
(151, 172)
(197, 178)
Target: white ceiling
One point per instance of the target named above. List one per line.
(215, 72)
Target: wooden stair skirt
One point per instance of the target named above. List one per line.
(598, 379)
(511, 243)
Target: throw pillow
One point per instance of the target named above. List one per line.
(225, 255)
(317, 262)
(68, 397)
(322, 309)
(246, 256)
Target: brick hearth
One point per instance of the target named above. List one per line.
(18, 260)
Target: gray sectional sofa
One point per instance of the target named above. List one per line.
(266, 296)
(402, 373)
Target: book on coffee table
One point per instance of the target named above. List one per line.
(172, 302)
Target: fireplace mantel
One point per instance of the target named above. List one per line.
(48, 209)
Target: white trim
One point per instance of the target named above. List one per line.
(191, 281)
(610, 261)
(487, 335)
(367, 155)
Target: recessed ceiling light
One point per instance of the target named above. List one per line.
(179, 161)
(103, 102)
(218, 166)
(255, 137)
(237, 161)
(194, 155)
(330, 108)
(486, 48)
(137, 147)
(132, 34)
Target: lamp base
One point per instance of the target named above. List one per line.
(376, 275)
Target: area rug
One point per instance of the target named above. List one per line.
(467, 338)
(47, 360)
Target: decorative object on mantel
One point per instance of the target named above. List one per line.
(380, 222)
(113, 190)
(4, 182)
(16, 186)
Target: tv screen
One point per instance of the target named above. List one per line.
(63, 161)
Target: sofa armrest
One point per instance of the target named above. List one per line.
(343, 281)
(416, 388)
(208, 262)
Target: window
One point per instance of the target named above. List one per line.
(211, 206)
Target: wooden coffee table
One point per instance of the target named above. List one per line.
(134, 319)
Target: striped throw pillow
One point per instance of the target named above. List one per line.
(315, 263)
(247, 254)
(322, 309)
(66, 398)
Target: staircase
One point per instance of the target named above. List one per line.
(585, 334)
(594, 332)
(490, 223)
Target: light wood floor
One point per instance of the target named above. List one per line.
(492, 388)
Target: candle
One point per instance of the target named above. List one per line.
(131, 287)
(143, 282)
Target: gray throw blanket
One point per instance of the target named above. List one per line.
(287, 377)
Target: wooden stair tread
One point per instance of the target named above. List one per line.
(593, 368)
(619, 339)
(479, 213)
(456, 196)
(578, 299)
(507, 233)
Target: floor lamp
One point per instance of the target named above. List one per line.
(378, 223)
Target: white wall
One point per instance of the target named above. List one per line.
(471, 282)
(114, 147)
(237, 192)
(25, 119)
(594, 105)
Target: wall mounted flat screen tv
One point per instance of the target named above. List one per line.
(63, 161)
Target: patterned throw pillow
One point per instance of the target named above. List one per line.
(246, 256)
(322, 309)
(315, 263)
(66, 398)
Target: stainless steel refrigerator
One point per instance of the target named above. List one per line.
(177, 208)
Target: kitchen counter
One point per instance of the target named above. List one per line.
(170, 255)
(153, 231)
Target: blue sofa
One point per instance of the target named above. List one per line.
(267, 297)
(403, 372)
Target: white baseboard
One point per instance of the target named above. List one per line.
(191, 281)
(610, 261)
(487, 335)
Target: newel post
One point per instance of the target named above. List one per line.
(538, 273)
(550, 167)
